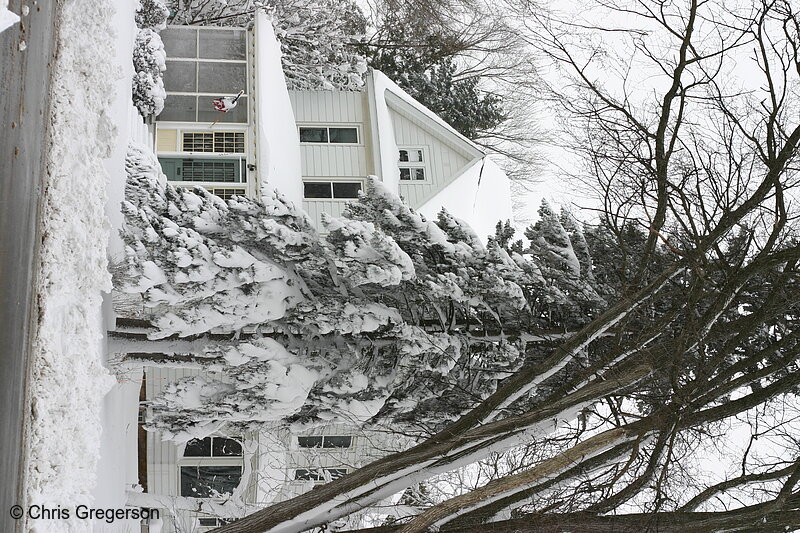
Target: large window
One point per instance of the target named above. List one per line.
(329, 134)
(326, 441)
(210, 467)
(412, 162)
(342, 190)
(203, 64)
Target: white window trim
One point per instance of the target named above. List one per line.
(357, 127)
(415, 164)
(339, 179)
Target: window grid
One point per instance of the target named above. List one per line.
(227, 193)
(413, 164)
(220, 171)
(219, 141)
(325, 441)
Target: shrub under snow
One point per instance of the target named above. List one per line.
(149, 58)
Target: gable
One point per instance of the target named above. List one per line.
(447, 154)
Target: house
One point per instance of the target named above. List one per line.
(317, 148)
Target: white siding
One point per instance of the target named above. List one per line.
(444, 160)
(328, 106)
(332, 160)
(315, 208)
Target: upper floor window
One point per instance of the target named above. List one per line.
(329, 134)
(204, 64)
(412, 162)
(325, 441)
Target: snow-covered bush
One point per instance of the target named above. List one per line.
(149, 58)
(385, 319)
(151, 14)
(149, 64)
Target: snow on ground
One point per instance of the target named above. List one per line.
(68, 379)
(7, 18)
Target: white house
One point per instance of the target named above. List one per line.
(317, 148)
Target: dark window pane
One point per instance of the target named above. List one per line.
(223, 78)
(344, 135)
(309, 442)
(304, 474)
(313, 135)
(419, 173)
(227, 194)
(222, 44)
(336, 473)
(179, 108)
(316, 190)
(207, 113)
(218, 170)
(419, 155)
(338, 442)
(181, 77)
(346, 190)
(198, 448)
(404, 155)
(222, 447)
(405, 174)
(205, 481)
(180, 42)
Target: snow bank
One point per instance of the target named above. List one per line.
(278, 143)
(481, 196)
(7, 18)
(68, 379)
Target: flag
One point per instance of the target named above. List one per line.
(226, 103)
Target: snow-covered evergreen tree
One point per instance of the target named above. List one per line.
(149, 58)
(390, 317)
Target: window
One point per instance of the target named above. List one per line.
(227, 194)
(202, 481)
(211, 467)
(214, 522)
(219, 170)
(326, 441)
(328, 135)
(343, 190)
(203, 64)
(412, 163)
(319, 474)
(213, 446)
(219, 141)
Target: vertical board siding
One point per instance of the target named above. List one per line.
(331, 160)
(444, 161)
(328, 106)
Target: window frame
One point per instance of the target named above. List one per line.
(331, 181)
(412, 165)
(210, 461)
(200, 94)
(325, 469)
(328, 126)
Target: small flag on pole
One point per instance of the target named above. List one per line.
(226, 103)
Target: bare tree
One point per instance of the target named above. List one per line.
(701, 325)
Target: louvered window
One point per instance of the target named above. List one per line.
(230, 142)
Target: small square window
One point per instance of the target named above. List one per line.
(405, 174)
(313, 135)
(346, 190)
(337, 442)
(317, 190)
(343, 135)
(309, 442)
